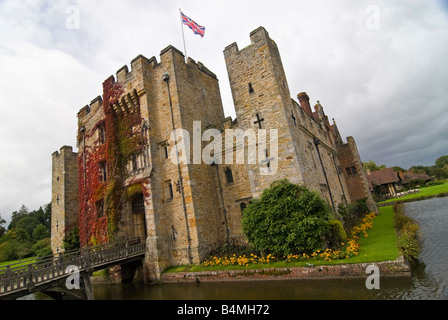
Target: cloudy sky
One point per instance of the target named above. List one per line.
(378, 67)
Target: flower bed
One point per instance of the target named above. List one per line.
(349, 249)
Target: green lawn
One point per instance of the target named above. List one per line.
(424, 192)
(17, 263)
(380, 245)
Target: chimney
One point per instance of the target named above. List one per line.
(304, 101)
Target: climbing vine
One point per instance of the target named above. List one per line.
(101, 200)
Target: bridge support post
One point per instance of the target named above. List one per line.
(126, 272)
(87, 284)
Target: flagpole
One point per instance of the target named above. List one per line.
(183, 35)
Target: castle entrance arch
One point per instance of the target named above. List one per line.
(138, 216)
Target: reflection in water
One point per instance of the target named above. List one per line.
(259, 290)
(431, 276)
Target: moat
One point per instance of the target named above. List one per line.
(429, 278)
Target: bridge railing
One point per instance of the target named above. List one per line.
(32, 272)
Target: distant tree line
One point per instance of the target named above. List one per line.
(27, 235)
(438, 171)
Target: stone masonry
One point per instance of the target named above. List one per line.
(64, 201)
(130, 186)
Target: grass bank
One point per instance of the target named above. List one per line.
(379, 245)
(17, 263)
(425, 193)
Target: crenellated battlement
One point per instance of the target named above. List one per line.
(63, 151)
(257, 37)
(124, 75)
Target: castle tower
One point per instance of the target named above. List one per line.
(262, 101)
(64, 198)
(131, 182)
(357, 183)
(306, 150)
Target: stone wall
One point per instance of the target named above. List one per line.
(261, 96)
(396, 268)
(64, 196)
(357, 184)
(306, 146)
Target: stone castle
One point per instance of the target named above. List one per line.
(122, 182)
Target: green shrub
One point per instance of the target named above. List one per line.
(286, 219)
(228, 249)
(40, 232)
(408, 240)
(336, 235)
(8, 251)
(408, 234)
(352, 214)
(417, 183)
(42, 247)
(71, 241)
(45, 251)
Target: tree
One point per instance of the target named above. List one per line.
(27, 233)
(28, 224)
(442, 161)
(40, 232)
(419, 169)
(8, 251)
(372, 166)
(17, 215)
(2, 228)
(286, 219)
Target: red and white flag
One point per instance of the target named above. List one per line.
(197, 29)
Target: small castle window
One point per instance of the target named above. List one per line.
(103, 171)
(242, 206)
(351, 171)
(102, 135)
(100, 208)
(134, 166)
(138, 204)
(168, 191)
(229, 175)
(164, 150)
(251, 89)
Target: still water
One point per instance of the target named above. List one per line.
(429, 278)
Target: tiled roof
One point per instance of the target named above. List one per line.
(408, 176)
(383, 176)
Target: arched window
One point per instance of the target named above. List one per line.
(138, 204)
(242, 206)
(229, 175)
(168, 190)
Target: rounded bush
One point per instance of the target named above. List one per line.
(286, 219)
(336, 234)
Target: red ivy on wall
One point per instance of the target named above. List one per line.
(100, 202)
